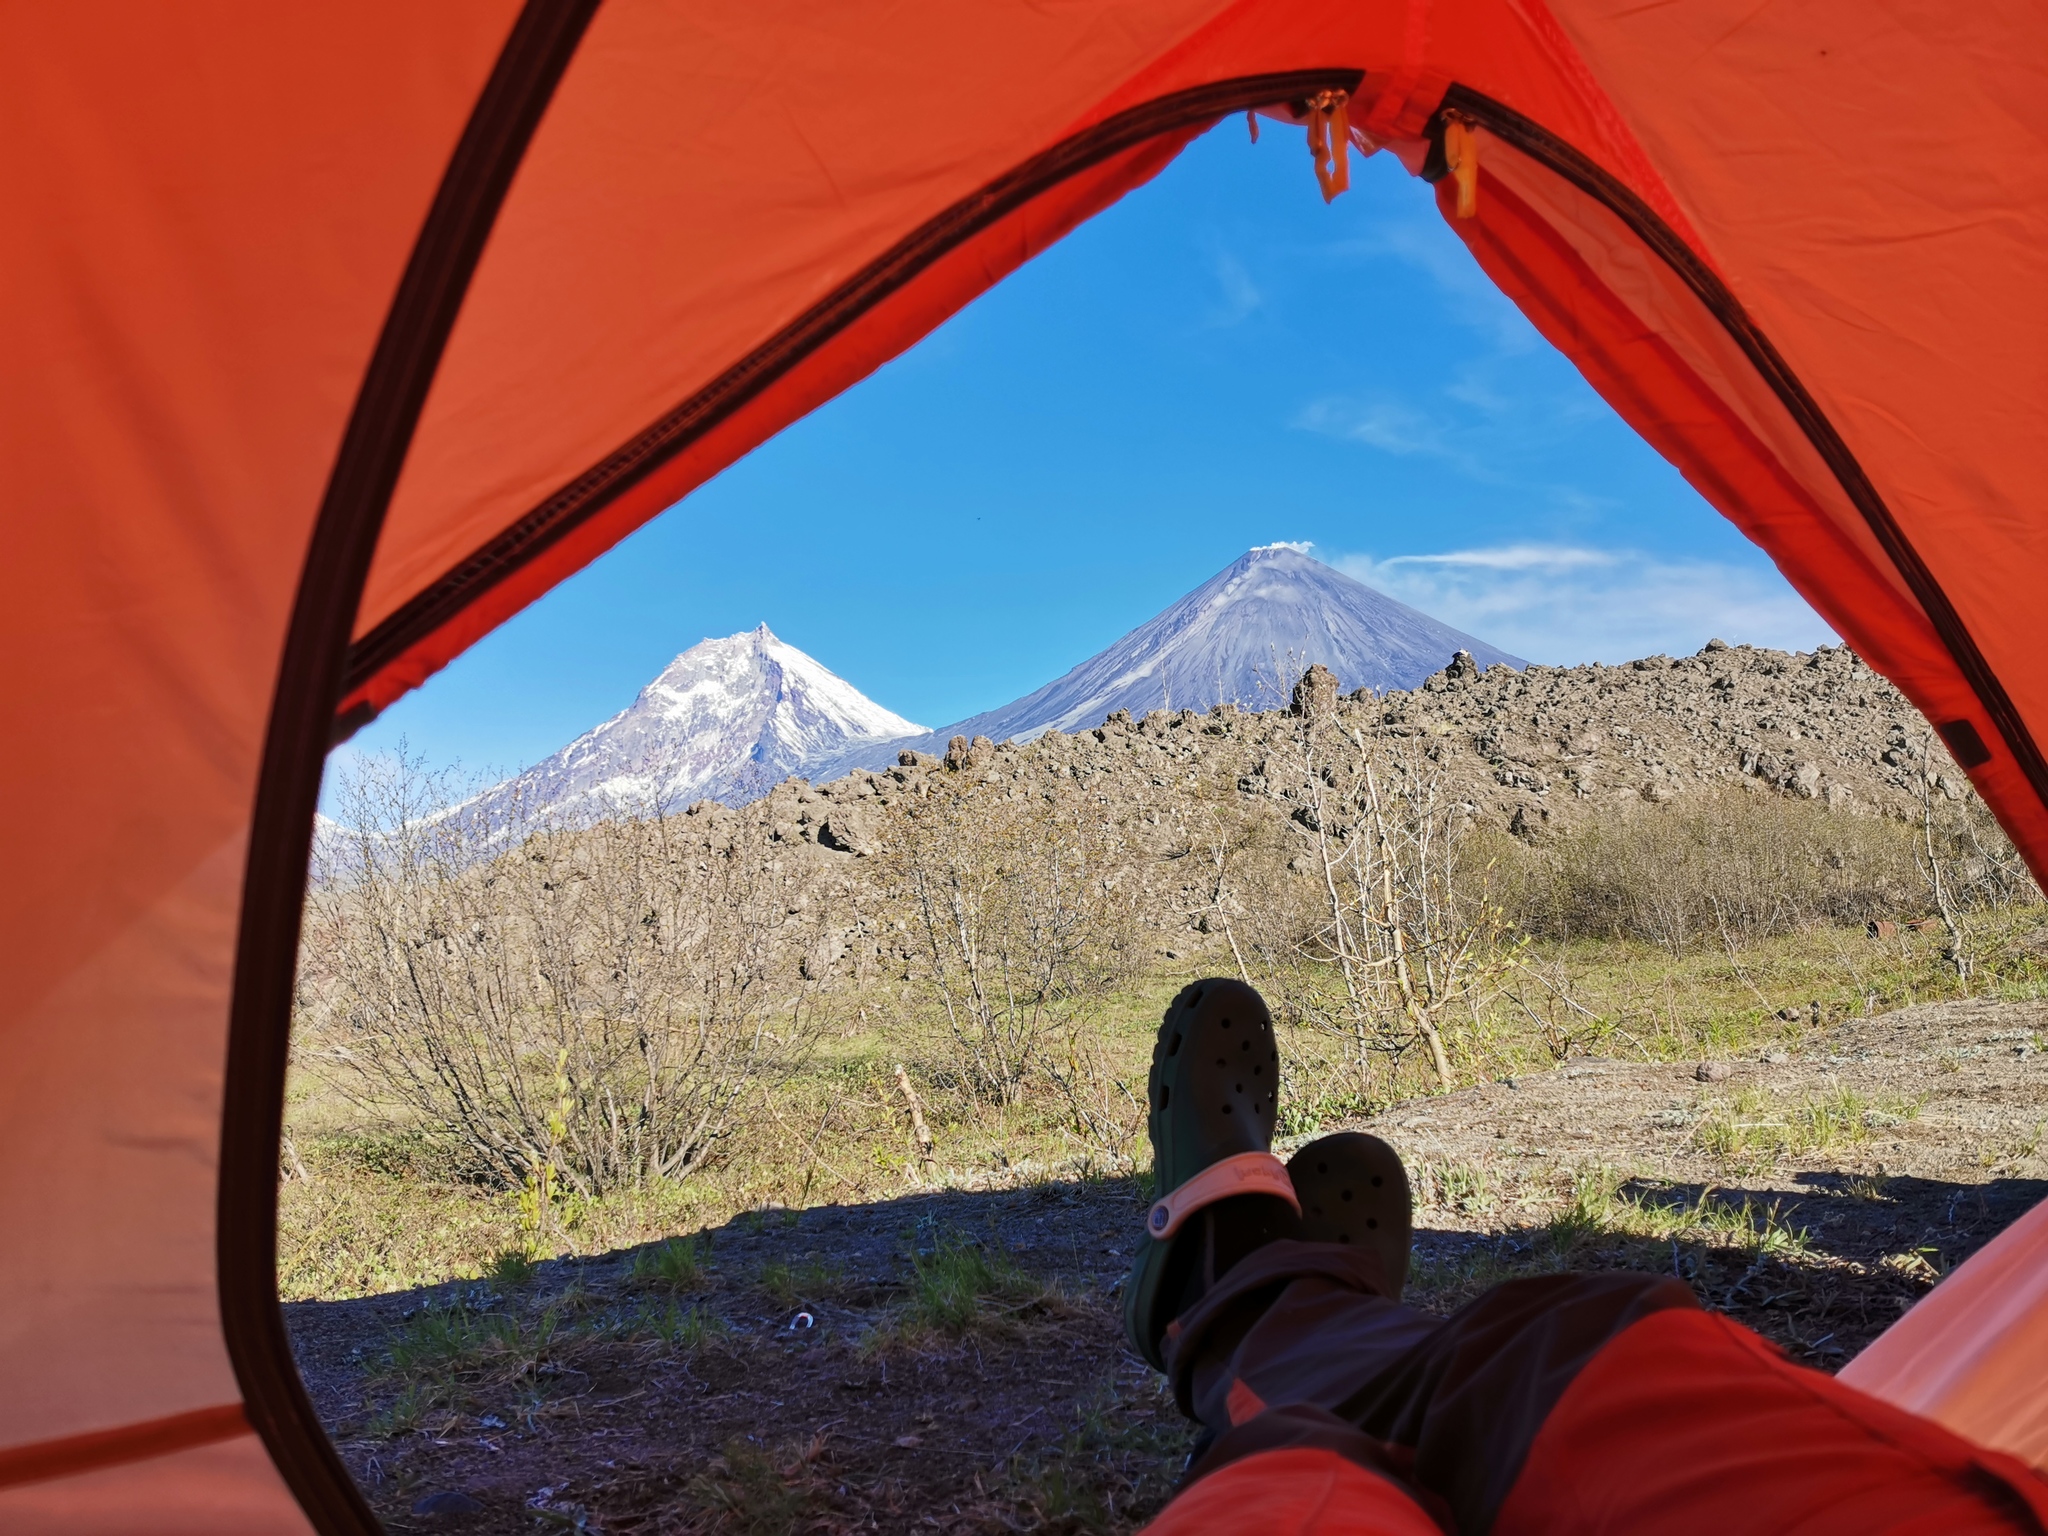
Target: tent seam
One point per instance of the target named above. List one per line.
(1565, 160)
(42, 1461)
(584, 497)
(541, 41)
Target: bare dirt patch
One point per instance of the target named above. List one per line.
(949, 1361)
(1813, 1192)
(953, 1360)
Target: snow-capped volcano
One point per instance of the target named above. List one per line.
(729, 719)
(1242, 637)
(726, 720)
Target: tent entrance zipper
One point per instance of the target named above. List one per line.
(1462, 104)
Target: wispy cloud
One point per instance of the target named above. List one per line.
(1384, 424)
(1510, 557)
(1483, 434)
(1240, 295)
(1566, 604)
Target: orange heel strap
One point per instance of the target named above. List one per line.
(1245, 1173)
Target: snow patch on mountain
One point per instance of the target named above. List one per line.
(726, 720)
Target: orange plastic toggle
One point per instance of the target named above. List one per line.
(1461, 155)
(1246, 1173)
(1329, 141)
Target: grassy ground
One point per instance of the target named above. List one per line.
(366, 1209)
(952, 1359)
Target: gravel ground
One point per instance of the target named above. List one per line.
(802, 1382)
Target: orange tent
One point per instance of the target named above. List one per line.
(333, 334)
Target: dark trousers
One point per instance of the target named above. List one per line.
(1558, 1404)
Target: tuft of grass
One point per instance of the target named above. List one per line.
(1830, 1119)
(510, 1266)
(754, 1492)
(1754, 1128)
(1114, 1468)
(1924, 1266)
(402, 1413)
(1752, 1227)
(788, 1284)
(680, 1328)
(472, 1346)
(1589, 1211)
(958, 1285)
(676, 1263)
(1453, 1187)
(1866, 1188)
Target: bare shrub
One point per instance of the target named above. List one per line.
(1980, 867)
(1965, 859)
(1102, 1096)
(1715, 870)
(1019, 913)
(1242, 852)
(1400, 935)
(583, 1004)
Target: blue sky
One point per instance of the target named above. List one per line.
(1217, 362)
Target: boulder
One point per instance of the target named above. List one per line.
(847, 831)
(1315, 696)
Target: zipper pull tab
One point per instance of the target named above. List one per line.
(1461, 158)
(1329, 141)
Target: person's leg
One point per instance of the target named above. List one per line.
(1213, 1098)
(1688, 1424)
(1554, 1405)
(1452, 1404)
(1297, 1491)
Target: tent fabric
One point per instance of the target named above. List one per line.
(1970, 1354)
(336, 334)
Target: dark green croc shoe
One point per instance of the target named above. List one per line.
(1214, 1098)
(1353, 1190)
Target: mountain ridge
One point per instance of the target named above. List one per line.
(726, 720)
(1284, 611)
(730, 718)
